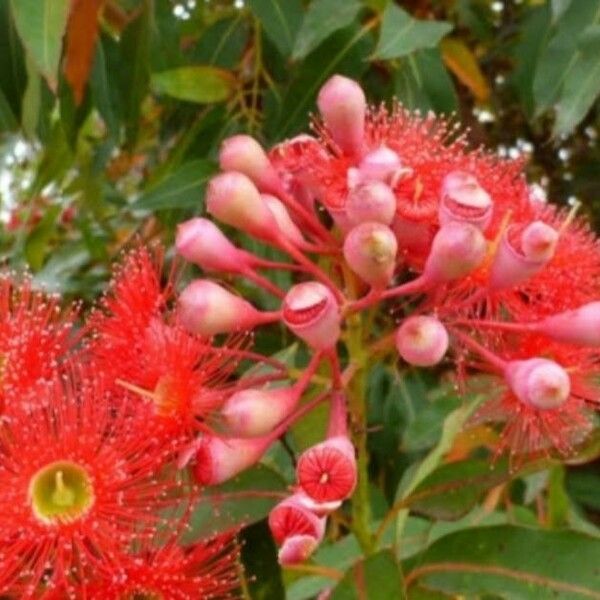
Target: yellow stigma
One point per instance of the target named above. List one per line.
(61, 492)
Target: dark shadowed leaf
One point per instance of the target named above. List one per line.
(200, 84)
(12, 64)
(401, 34)
(280, 20)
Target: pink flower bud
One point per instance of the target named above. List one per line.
(244, 154)
(456, 250)
(370, 251)
(464, 200)
(538, 382)
(373, 201)
(217, 460)
(379, 165)
(312, 313)
(519, 258)
(254, 413)
(343, 106)
(422, 341)
(200, 241)
(233, 199)
(580, 326)
(297, 549)
(284, 221)
(292, 517)
(206, 309)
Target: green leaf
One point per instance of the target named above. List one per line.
(222, 43)
(7, 119)
(582, 84)
(200, 84)
(30, 111)
(36, 244)
(13, 77)
(513, 562)
(102, 93)
(180, 189)
(559, 8)
(245, 499)
(375, 578)
(401, 34)
(323, 18)
(280, 19)
(41, 25)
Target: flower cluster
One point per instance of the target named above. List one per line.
(382, 212)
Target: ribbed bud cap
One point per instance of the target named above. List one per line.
(370, 251)
(463, 199)
(539, 382)
(343, 106)
(457, 250)
(422, 341)
(373, 201)
(233, 199)
(312, 313)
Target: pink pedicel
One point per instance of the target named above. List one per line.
(422, 341)
(463, 199)
(373, 201)
(207, 309)
(326, 472)
(233, 199)
(520, 257)
(295, 529)
(457, 250)
(382, 164)
(282, 217)
(538, 382)
(312, 313)
(370, 250)
(580, 326)
(244, 154)
(343, 106)
(201, 242)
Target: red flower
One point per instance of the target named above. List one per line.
(207, 570)
(78, 477)
(35, 337)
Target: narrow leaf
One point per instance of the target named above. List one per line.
(462, 62)
(200, 84)
(280, 19)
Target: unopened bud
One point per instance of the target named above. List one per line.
(343, 106)
(200, 241)
(312, 313)
(374, 201)
(370, 251)
(457, 250)
(464, 200)
(284, 221)
(207, 309)
(379, 165)
(539, 382)
(580, 326)
(519, 258)
(422, 341)
(244, 154)
(233, 199)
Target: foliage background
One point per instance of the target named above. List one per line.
(111, 114)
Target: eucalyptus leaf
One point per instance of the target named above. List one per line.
(199, 83)
(280, 19)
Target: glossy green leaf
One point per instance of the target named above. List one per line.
(376, 578)
(323, 18)
(401, 34)
(582, 84)
(513, 562)
(245, 499)
(180, 189)
(222, 43)
(201, 84)
(13, 77)
(41, 25)
(280, 19)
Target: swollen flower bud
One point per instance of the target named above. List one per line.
(200, 241)
(233, 199)
(422, 341)
(343, 106)
(538, 382)
(206, 309)
(456, 250)
(580, 326)
(378, 165)
(312, 313)
(373, 201)
(520, 257)
(244, 154)
(284, 221)
(464, 200)
(370, 251)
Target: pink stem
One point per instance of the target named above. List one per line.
(338, 416)
(266, 317)
(505, 326)
(486, 354)
(411, 287)
(304, 381)
(263, 282)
